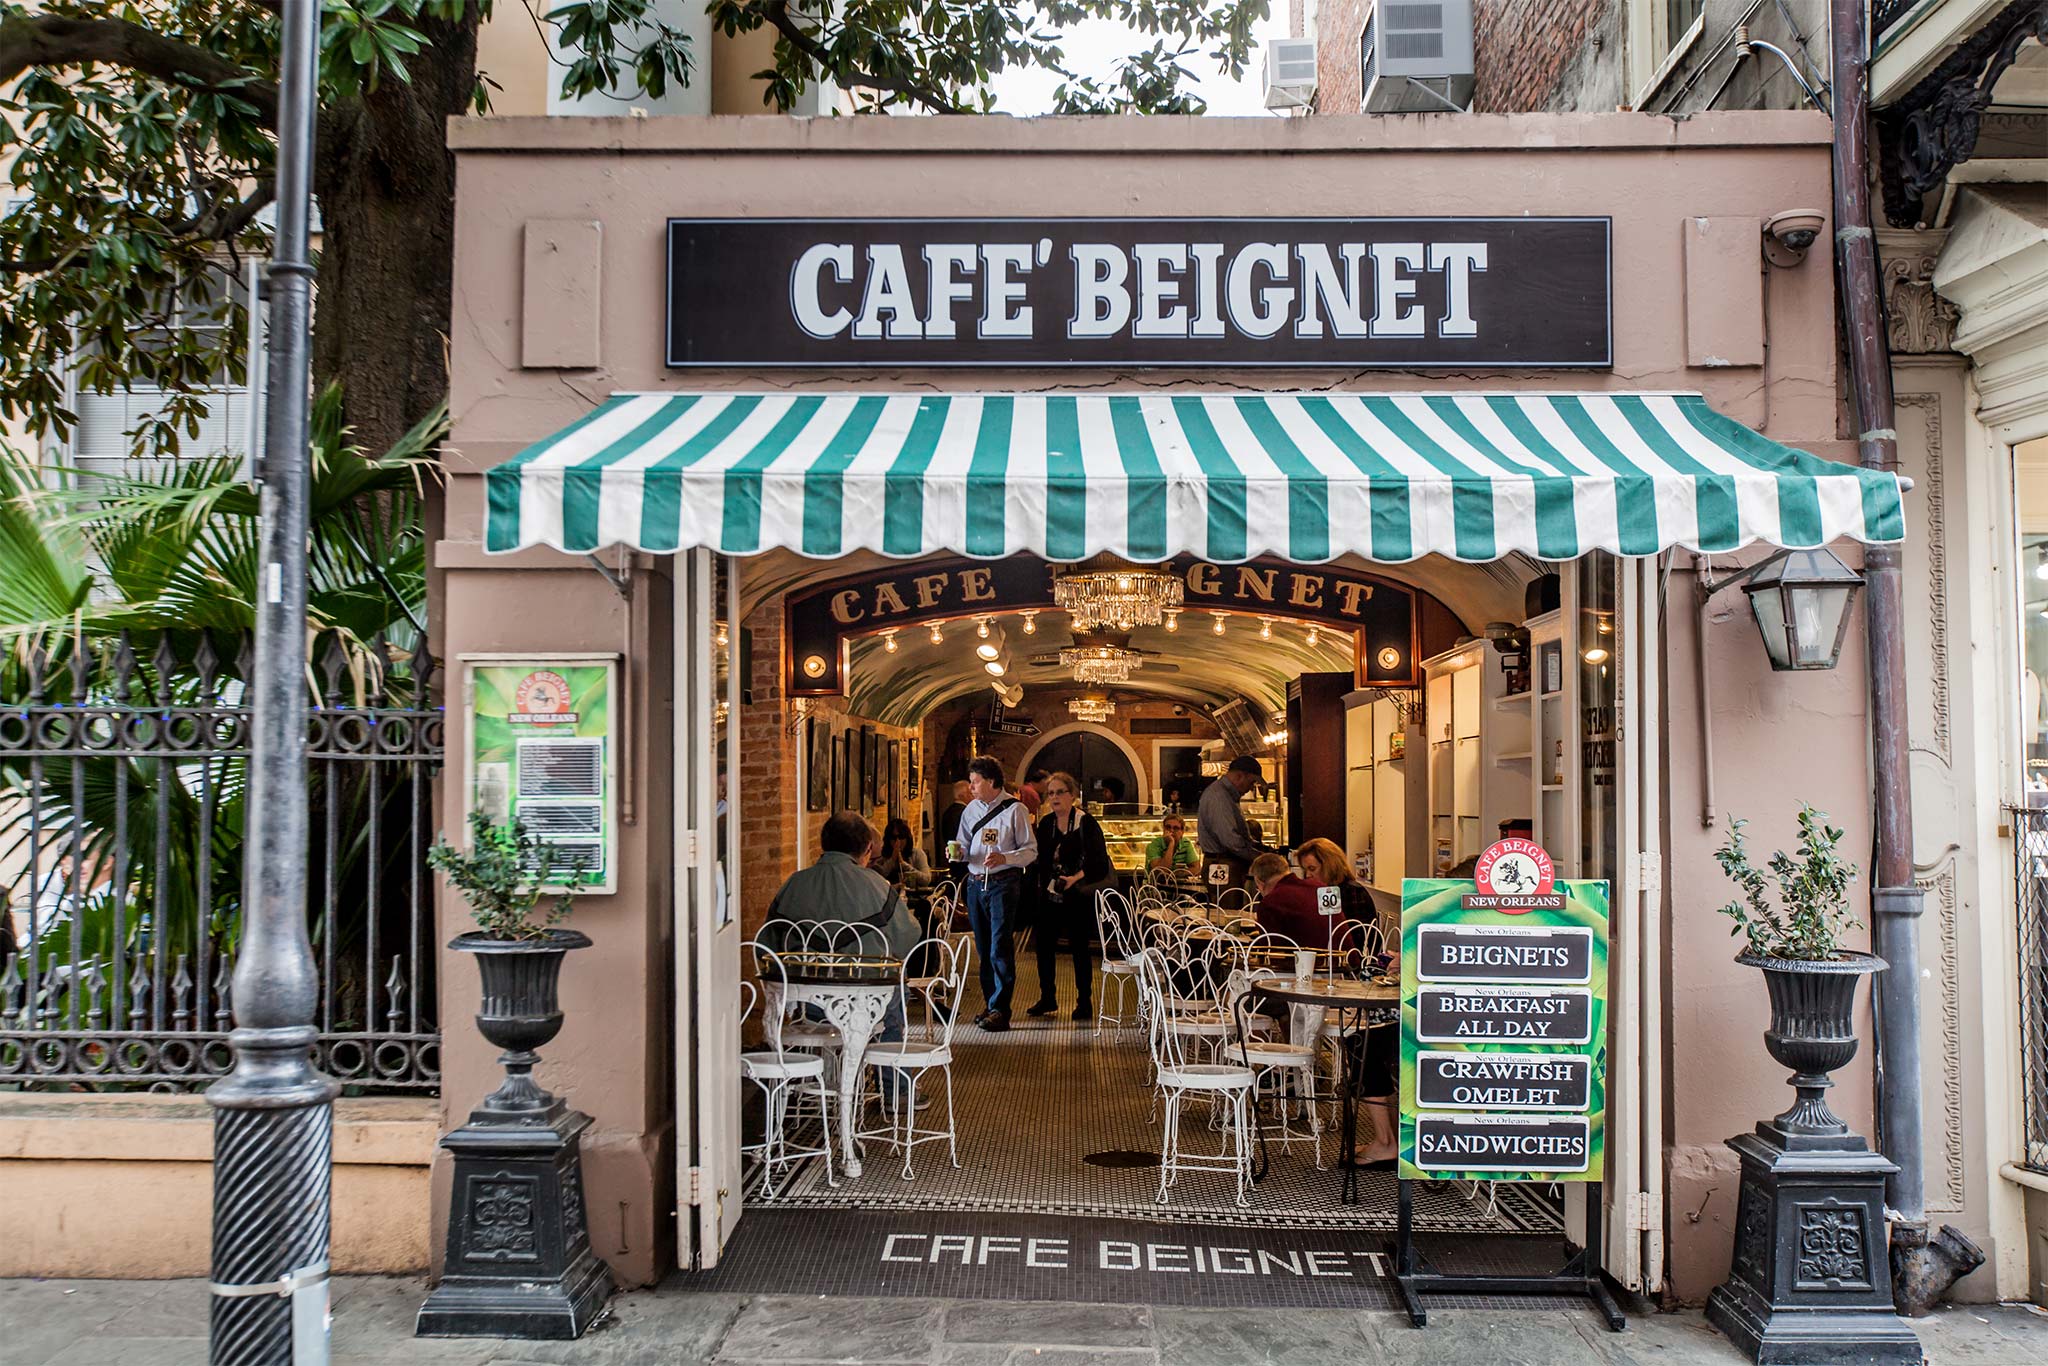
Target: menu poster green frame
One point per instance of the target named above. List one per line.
(542, 749)
(1503, 1032)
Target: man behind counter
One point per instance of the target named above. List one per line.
(1220, 830)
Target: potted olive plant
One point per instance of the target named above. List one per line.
(518, 949)
(1795, 940)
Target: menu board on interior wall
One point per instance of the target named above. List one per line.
(1504, 1022)
(540, 752)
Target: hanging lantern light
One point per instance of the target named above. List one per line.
(1265, 628)
(889, 641)
(1030, 623)
(1218, 627)
(1801, 604)
(938, 636)
(1107, 590)
(1095, 664)
(1172, 619)
(1094, 709)
(1312, 636)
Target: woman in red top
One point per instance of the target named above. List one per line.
(1288, 904)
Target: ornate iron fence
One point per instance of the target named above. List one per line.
(122, 787)
(2030, 884)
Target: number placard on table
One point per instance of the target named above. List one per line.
(1504, 1022)
(540, 751)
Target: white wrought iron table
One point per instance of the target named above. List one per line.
(852, 992)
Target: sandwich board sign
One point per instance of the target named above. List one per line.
(1503, 1022)
(541, 751)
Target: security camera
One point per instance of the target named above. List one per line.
(1787, 235)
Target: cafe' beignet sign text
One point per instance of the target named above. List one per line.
(1352, 292)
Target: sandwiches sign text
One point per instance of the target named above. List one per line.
(1355, 292)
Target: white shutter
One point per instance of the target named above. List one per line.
(100, 444)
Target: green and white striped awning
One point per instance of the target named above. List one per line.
(1225, 476)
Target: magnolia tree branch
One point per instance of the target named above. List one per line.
(55, 41)
(776, 12)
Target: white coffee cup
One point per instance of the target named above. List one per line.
(1304, 964)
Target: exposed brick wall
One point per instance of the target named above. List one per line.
(768, 799)
(1338, 24)
(764, 799)
(1520, 49)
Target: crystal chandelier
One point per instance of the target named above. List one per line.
(1100, 663)
(1108, 591)
(1096, 709)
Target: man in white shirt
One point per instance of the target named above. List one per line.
(995, 831)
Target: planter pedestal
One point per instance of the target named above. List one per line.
(519, 1263)
(1811, 1282)
(519, 1259)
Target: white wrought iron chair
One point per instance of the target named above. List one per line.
(782, 1074)
(1178, 1073)
(934, 987)
(1279, 1061)
(806, 1033)
(909, 1060)
(1119, 968)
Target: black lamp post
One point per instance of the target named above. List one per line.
(273, 1130)
(1801, 601)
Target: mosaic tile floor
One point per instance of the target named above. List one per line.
(1036, 1102)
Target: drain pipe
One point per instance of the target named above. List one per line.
(1923, 1270)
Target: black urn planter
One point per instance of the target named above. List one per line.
(519, 1263)
(1813, 1029)
(1810, 1280)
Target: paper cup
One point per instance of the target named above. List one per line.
(1304, 963)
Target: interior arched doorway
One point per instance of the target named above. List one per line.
(1092, 754)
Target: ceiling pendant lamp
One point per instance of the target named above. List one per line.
(1109, 591)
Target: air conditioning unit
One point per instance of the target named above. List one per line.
(1243, 726)
(1290, 73)
(1415, 57)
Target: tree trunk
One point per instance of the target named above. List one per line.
(386, 185)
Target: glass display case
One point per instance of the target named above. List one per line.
(1132, 828)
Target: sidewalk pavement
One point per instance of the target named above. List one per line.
(163, 1323)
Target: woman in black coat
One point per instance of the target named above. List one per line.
(1073, 861)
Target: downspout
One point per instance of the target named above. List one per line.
(1922, 1272)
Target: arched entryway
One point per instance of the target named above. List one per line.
(1093, 755)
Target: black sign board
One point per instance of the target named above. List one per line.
(1478, 1143)
(1503, 1081)
(1381, 611)
(1532, 1015)
(1356, 293)
(1450, 952)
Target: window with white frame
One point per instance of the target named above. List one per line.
(101, 443)
(1660, 33)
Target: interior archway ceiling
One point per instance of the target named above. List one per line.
(1193, 665)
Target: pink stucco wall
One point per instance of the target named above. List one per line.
(1778, 739)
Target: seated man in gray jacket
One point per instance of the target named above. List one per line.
(840, 887)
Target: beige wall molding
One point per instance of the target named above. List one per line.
(121, 1186)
